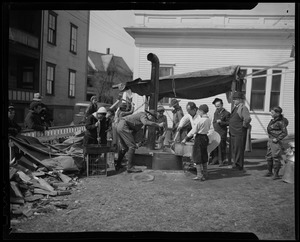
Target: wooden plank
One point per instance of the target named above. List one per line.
(42, 191)
(15, 188)
(64, 177)
(33, 198)
(45, 184)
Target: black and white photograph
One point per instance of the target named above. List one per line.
(155, 120)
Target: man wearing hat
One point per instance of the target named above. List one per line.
(200, 127)
(96, 127)
(13, 127)
(128, 129)
(220, 123)
(122, 111)
(33, 119)
(177, 116)
(239, 122)
(161, 132)
(92, 108)
(44, 113)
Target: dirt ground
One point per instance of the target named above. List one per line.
(229, 201)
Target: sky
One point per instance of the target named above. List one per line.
(107, 31)
(107, 27)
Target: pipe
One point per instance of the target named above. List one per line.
(153, 96)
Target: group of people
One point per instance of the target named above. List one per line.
(38, 118)
(123, 126)
(237, 122)
(124, 129)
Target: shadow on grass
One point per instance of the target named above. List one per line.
(222, 173)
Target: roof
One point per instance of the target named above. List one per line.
(108, 63)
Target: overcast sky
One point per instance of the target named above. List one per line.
(107, 27)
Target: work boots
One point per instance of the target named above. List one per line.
(205, 173)
(276, 170)
(270, 168)
(201, 172)
(130, 168)
(118, 162)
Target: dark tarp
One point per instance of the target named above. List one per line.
(192, 85)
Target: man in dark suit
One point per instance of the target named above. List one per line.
(239, 122)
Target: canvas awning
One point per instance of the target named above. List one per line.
(192, 85)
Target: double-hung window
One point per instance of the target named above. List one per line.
(72, 82)
(52, 23)
(73, 39)
(262, 89)
(50, 69)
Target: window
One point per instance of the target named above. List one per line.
(165, 71)
(72, 79)
(262, 90)
(52, 27)
(50, 72)
(258, 91)
(27, 76)
(275, 89)
(73, 41)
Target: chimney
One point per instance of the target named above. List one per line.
(107, 51)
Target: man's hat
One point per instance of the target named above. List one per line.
(11, 107)
(160, 108)
(217, 100)
(37, 97)
(94, 98)
(151, 112)
(34, 104)
(174, 101)
(204, 108)
(238, 95)
(101, 110)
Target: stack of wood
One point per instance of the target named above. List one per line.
(31, 185)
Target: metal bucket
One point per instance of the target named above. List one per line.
(184, 149)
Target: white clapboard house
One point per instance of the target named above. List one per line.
(261, 39)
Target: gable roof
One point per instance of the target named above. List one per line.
(108, 63)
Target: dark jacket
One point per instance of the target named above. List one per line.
(91, 109)
(239, 120)
(277, 128)
(91, 130)
(224, 116)
(33, 121)
(13, 127)
(136, 121)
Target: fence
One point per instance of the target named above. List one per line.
(54, 133)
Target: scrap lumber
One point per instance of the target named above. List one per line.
(17, 200)
(64, 177)
(33, 198)
(42, 191)
(23, 161)
(61, 184)
(12, 172)
(24, 177)
(63, 193)
(15, 188)
(45, 184)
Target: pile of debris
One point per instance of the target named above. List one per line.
(37, 192)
